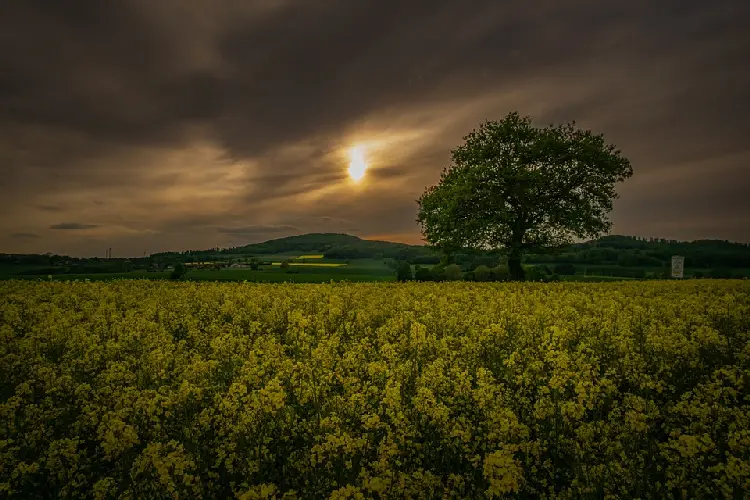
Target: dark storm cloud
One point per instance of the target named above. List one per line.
(359, 57)
(307, 69)
(23, 235)
(73, 226)
(96, 98)
(96, 68)
(362, 56)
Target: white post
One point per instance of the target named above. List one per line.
(678, 266)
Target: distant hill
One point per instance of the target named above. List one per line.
(331, 245)
(325, 243)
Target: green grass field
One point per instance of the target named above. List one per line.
(91, 277)
(311, 264)
(356, 270)
(318, 271)
(274, 275)
(594, 278)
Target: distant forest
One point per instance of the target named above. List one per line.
(626, 251)
(609, 255)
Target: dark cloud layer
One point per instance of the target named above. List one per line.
(73, 226)
(181, 124)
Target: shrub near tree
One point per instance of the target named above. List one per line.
(453, 272)
(534, 273)
(482, 273)
(437, 273)
(565, 269)
(403, 271)
(500, 273)
(179, 271)
(517, 187)
(422, 274)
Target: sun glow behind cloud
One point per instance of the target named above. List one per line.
(358, 165)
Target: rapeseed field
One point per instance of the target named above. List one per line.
(144, 389)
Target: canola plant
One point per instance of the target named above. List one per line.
(145, 389)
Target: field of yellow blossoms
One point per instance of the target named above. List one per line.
(145, 389)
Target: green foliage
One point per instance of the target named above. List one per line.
(285, 265)
(453, 272)
(535, 273)
(437, 273)
(482, 273)
(607, 253)
(403, 271)
(500, 273)
(720, 273)
(515, 186)
(541, 273)
(458, 390)
(179, 271)
(423, 274)
(565, 269)
(474, 261)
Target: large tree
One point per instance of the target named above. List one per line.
(516, 187)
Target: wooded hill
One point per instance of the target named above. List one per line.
(626, 251)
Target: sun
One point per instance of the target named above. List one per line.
(358, 165)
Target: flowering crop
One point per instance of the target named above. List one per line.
(141, 389)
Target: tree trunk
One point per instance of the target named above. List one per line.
(514, 264)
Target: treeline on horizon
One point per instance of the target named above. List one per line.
(627, 251)
(613, 251)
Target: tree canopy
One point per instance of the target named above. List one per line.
(515, 186)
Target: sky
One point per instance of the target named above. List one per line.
(147, 126)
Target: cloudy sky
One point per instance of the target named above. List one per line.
(149, 125)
